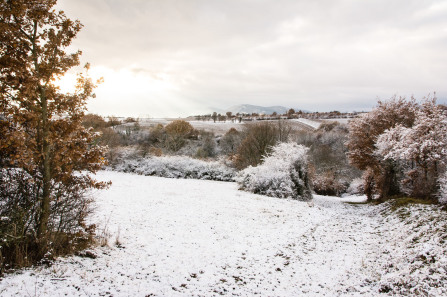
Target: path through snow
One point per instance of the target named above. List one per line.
(205, 238)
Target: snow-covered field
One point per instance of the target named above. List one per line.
(310, 123)
(171, 237)
(222, 127)
(217, 127)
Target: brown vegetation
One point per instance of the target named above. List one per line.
(258, 141)
(44, 147)
(176, 134)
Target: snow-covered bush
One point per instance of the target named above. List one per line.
(420, 150)
(176, 167)
(356, 187)
(328, 183)
(282, 174)
(68, 232)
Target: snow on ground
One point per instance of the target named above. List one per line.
(311, 123)
(344, 121)
(205, 238)
(217, 127)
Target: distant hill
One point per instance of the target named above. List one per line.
(249, 109)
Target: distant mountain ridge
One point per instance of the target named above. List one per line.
(249, 109)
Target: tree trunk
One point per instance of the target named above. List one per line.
(46, 177)
(44, 207)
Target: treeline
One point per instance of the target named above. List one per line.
(290, 114)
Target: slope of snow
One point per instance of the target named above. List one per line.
(206, 238)
(311, 123)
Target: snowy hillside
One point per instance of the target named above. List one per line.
(310, 123)
(172, 237)
(249, 109)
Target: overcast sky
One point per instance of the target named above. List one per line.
(183, 57)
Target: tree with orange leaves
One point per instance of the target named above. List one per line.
(380, 175)
(42, 137)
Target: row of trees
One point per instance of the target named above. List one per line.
(402, 147)
(290, 114)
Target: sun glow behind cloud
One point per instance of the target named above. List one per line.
(125, 91)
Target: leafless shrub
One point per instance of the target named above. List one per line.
(258, 140)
